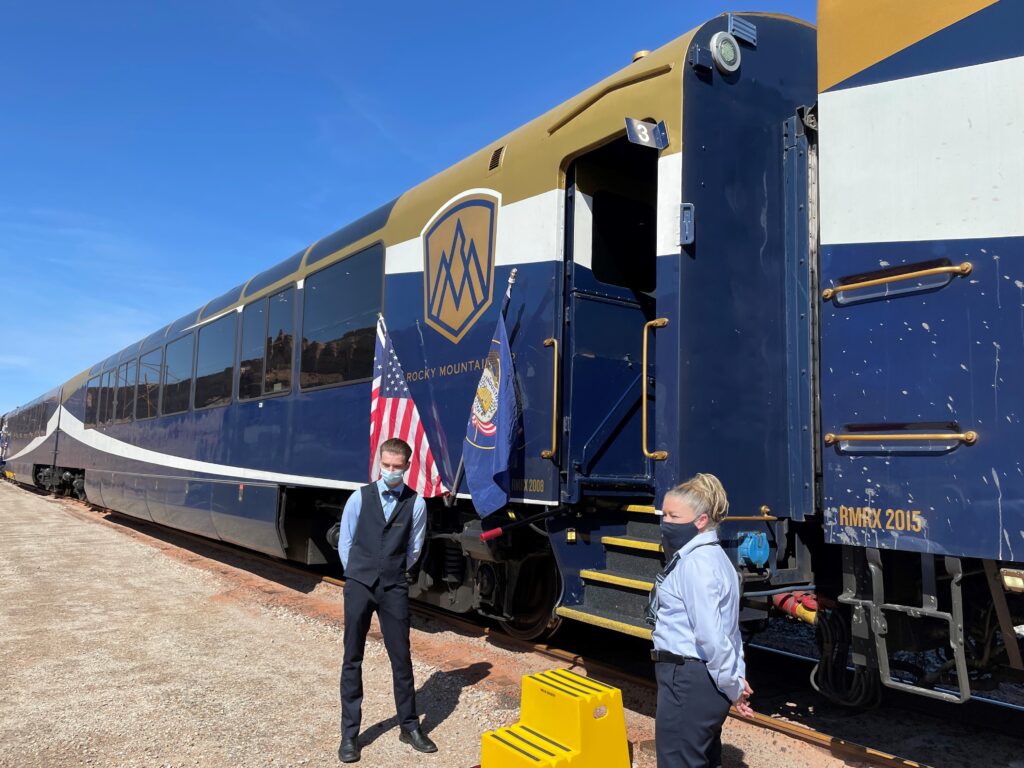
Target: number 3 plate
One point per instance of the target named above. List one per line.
(648, 134)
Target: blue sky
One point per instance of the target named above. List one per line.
(153, 155)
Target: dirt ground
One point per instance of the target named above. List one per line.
(124, 645)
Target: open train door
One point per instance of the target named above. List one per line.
(610, 283)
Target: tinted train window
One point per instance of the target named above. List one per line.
(250, 369)
(107, 396)
(126, 392)
(339, 320)
(280, 335)
(147, 396)
(177, 375)
(120, 382)
(92, 401)
(215, 362)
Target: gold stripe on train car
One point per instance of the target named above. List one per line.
(853, 36)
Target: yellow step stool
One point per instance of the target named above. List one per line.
(565, 720)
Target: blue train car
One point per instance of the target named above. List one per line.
(922, 347)
(676, 310)
(651, 272)
(28, 440)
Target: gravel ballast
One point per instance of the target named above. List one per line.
(125, 645)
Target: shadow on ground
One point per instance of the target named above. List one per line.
(437, 698)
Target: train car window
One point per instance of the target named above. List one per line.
(177, 375)
(92, 401)
(254, 335)
(147, 395)
(102, 396)
(110, 404)
(106, 397)
(339, 320)
(280, 336)
(119, 391)
(126, 392)
(215, 362)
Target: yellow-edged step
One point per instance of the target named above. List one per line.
(642, 509)
(613, 578)
(631, 542)
(566, 720)
(603, 622)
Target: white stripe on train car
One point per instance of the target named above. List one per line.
(75, 429)
(107, 444)
(932, 157)
(670, 190)
(37, 441)
(529, 231)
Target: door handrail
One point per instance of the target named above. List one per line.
(962, 269)
(550, 454)
(659, 322)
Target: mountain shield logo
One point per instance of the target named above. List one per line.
(458, 263)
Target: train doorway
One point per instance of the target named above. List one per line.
(611, 224)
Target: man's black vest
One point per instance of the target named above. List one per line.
(379, 549)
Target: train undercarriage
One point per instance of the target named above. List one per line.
(941, 627)
(61, 481)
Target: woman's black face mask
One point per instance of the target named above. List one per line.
(675, 536)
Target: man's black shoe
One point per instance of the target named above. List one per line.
(417, 740)
(348, 752)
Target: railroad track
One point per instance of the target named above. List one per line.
(838, 747)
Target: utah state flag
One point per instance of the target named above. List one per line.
(491, 427)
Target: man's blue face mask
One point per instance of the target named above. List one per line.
(391, 477)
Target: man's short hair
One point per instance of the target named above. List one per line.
(396, 445)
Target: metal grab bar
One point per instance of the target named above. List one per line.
(766, 516)
(967, 438)
(659, 322)
(959, 269)
(554, 404)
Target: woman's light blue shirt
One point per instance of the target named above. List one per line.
(698, 613)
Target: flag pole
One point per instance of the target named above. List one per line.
(449, 500)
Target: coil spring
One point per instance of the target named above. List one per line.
(454, 563)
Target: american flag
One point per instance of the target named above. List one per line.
(393, 414)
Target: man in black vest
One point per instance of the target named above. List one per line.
(382, 531)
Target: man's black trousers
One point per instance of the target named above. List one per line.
(392, 607)
(691, 711)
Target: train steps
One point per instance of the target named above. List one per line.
(614, 597)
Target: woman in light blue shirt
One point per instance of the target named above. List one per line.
(697, 646)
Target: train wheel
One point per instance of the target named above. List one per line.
(538, 589)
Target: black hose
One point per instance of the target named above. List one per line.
(830, 676)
